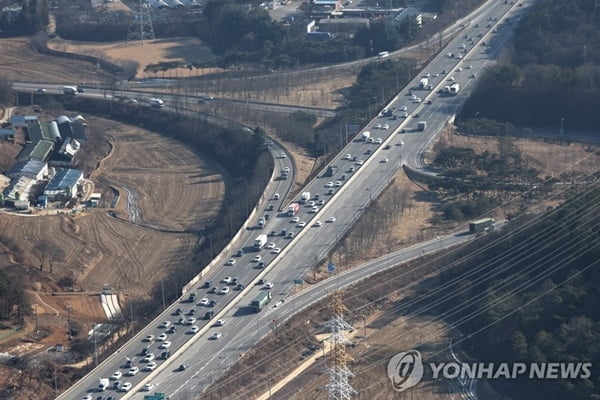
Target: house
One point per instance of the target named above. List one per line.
(63, 184)
(33, 169)
(18, 189)
(21, 204)
(7, 134)
(36, 151)
(410, 12)
(20, 121)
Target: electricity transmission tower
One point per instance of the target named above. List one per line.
(338, 386)
(140, 27)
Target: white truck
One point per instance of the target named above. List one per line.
(103, 384)
(293, 209)
(304, 197)
(452, 89)
(156, 102)
(260, 241)
(423, 83)
(69, 90)
(366, 135)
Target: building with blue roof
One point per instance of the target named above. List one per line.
(63, 184)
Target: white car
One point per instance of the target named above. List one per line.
(203, 302)
(216, 335)
(148, 338)
(404, 114)
(133, 371)
(220, 322)
(378, 126)
(87, 397)
(194, 329)
(385, 126)
(318, 223)
(418, 100)
(126, 387)
(269, 285)
(310, 204)
(469, 66)
(287, 169)
(385, 160)
(149, 357)
(151, 366)
(282, 155)
(413, 96)
(231, 261)
(225, 290)
(40, 90)
(359, 162)
(148, 387)
(190, 321)
(401, 143)
(331, 219)
(165, 345)
(403, 108)
(131, 100)
(227, 279)
(276, 250)
(329, 184)
(347, 157)
(257, 258)
(301, 224)
(314, 210)
(162, 337)
(321, 202)
(270, 245)
(459, 69)
(276, 196)
(297, 219)
(379, 140)
(165, 324)
(116, 375)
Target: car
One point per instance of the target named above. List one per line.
(282, 155)
(404, 114)
(385, 126)
(347, 157)
(286, 169)
(145, 350)
(166, 344)
(276, 250)
(148, 338)
(310, 204)
(212, 303)
(473, 75)
(351, 169)
(220, 322)
(359, 162)
(203, 302)
(401, 143)
(125, 387)
(329, 184)
(165, 324)
(231, 261)
(413, 96)
(331, 219)
(40, 90)
(428, 102)
(318, 224)
(451, 79)
(385, 160)
(290, 235)
(181, 321)
(227, 279)
(369, 151)
(276, 196)
(269, 285)
(416, 115)
(162, 337)
(182, 367)
(320, 202)
(261, 264)
(270, 245)
(343, 177)
(194, 329)
(271, 207)
(191, 312)
(296, 219)
(117, 385)
(261, 281)
(418, 100)
(235, 281)
(151, 366)
(165, 354)
(87, 397)
(403, 108)
(149, 357)
(459, 56)
(175, 313)
(133, 371)
(148, 387)
(131, 100)
(216, 335)
(469, 66)
(378, 126)
(314, 210)
(212, 290)
(172, 329)
(116, 375)
(436, 74)
(257, 258)
(459, 69)
(208, 315)
(378, 141)
(240, 286)
(338, 183)
(225, 290)
(190, 321)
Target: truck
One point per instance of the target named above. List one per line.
(192, 298)
(421, 126)
(383, 54)
(261, 222)
(304, 197)
(261, 301)
(366, 135)
(103, 384)
(329, 171)
(156, 102)
(452, 89)
(423, 83)
(293, 209)
(260, 241)
(481, 225)
(69, 90)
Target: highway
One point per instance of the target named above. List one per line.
(243, 328)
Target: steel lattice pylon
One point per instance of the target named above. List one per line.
(338, 386)
(140, 28)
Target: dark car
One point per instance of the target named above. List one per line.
(172, 329)
(177, 312)
(207, 284)
(212, 303)
(239, 287)
(209, 314)
(165, 354)
(235, 281)
(213, 290)
(182, 367)
(191, 312)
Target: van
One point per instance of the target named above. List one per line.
(383, 54)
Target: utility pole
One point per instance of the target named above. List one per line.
(36, 319)
(69, 321)
(162, 287)
(95, 345)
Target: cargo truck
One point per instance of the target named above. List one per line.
(69, 90)
(481, 225)
(103, 384)
(260, 241)
(293, 209)
(261, 301)
(304, 197)
(452, 89)
(423, 83)
(366, 135)
(155, 102)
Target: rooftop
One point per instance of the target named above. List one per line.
(64, 178)
(36, 151)
(38, 131)
(27, 167)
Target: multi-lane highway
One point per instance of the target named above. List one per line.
(355, 181)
